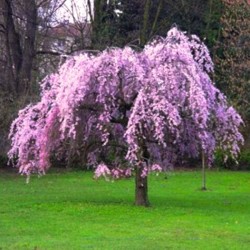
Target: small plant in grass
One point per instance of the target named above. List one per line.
(147, 108)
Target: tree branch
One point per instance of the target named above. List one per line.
(156, 18)
(48, 52)
(90, 12)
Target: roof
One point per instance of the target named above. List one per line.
(69, 30)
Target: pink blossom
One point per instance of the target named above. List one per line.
(121, 107)
(102, 170)
(156, 168)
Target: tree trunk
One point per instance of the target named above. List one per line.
(141, 188)
(155, 23)
(90, 12)
(97, 21)
(203, 187)
(144, 32)
(141, 182)
(20, 54)
(28, 48)
(13, 48)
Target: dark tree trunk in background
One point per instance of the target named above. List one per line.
(97, 24)
(13, 48)
(20, 48)
(144, 32)
(96, 20)
(156, 19)
(28, 54)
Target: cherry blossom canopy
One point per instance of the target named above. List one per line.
(124, 109)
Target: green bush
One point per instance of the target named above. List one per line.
(243, 161)
(3, 161)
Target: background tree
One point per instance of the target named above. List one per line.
(231, 56)
(20, 23)
(136, 22)
(19, 52)
(104, 22)
(80, 16)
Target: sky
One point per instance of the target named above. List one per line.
(74, 9)
(77, 9)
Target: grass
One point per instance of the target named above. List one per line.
(70, 210)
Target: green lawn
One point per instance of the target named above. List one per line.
(73, 211)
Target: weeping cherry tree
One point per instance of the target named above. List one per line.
(129, 113)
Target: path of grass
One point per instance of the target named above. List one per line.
(72, 211)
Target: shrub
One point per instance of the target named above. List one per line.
(243, 161)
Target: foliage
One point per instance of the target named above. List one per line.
(243, 161)
(232, 55)
(181, 216)
(118, 23)
(3, 160)
(211, 28)
(148, 107)
(9, 107)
